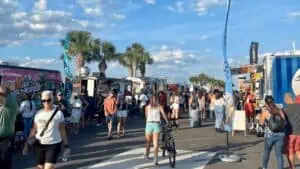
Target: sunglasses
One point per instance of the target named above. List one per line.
(46, 101)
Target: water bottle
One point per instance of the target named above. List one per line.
(66, 155)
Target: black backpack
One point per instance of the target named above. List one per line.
(195, 103)
(276, 123)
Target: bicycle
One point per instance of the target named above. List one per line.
(168, 144)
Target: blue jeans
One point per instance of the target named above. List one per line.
(219, 113)
(278, 142)
(27, 126)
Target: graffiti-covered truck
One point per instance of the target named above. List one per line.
(23, 80)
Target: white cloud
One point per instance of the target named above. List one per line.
(171, 8)
(164, 47)
(150, 1)
(204, 37)
(294, 14)
(40, 5)
(119, 16)
(45, 63)
(17, 26)
(202, 6)
(92, 7)
(50, 43)
(207, 50)
(93, 11)
(177, 7)
(19, 15)
(113, 64)
(173, 56)
(191, 55)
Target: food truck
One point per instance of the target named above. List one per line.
(25, 80)
(281, 76)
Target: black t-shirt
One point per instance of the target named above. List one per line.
(19, 125)
(63, 106)
(292, 112)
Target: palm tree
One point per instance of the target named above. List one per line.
(146, 59)
(108, 54)
(127, 60)
(80, 47)
(193, 80)
(203, 79)
(135, 58)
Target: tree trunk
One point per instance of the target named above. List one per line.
(134, 70)
(102, 67)
(143, 70)
(130, 71)
(79, 62)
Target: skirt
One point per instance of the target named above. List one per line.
(76, 114)
(122, 113)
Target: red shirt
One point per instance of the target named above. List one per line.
(162, 99)
(249, 107)
(297, 99)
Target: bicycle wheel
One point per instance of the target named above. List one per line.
(172, 153)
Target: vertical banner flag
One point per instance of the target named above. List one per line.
(67, 58)
(228, 77)
(68, 73)
(253, 53)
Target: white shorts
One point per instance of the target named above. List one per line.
(76, 114)
(175, 106)
(122, 113)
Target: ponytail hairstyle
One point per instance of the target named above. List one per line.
(154, 101)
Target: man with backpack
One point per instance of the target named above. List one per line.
(8, 114)
(194, 110)
(273, 120)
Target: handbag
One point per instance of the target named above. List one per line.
(34, 140)
(260, 131)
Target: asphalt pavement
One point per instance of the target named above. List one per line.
(90, 147)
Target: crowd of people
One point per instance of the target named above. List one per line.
(45, 128)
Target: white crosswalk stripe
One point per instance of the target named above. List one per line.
(134, 159)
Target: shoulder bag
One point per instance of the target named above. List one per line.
(34, 140)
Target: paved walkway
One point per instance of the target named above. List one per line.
(133, 159)
(90, 149)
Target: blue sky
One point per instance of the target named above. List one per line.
(183, 36)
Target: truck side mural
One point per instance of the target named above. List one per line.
(29, 80)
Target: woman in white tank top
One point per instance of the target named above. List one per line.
(175, 108)
(153, 115)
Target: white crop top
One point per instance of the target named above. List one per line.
(153, 115)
